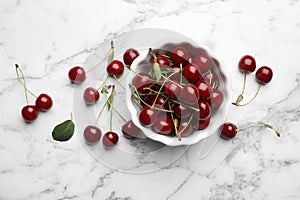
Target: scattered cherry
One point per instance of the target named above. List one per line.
(130, 130)
(247, 64)
(264, 75)
(180, 55)
(163, 125)
(130, 55)
(228, 130)
(115, 68)
(110, 139)
(77, 74)
(148, 116)
(44, 102)
(91, 95)
(92, 134)
(30, 113)
(203, 61)
(192, 73)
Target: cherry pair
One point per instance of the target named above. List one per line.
(43, 102)
(92, 135)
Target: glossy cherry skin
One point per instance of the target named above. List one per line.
(190, 94)
(180, 55)
(160, 101)
(264, 75)
(130, 130)
(130, 55)
(110, 139)
(77, 74)
(30, 113)
(191, 73)
(147, 116)
(201, 124)
(205, 89)
(92, 134)
(172, 89)
(205, 110)
(247, 64)
(228, 130)
(44, 102)
(216, 99)
(203, 61)
(91, 95)
(162, 61)
(163, 125)
(185, 128)
(142, 81)
(181, 111)
(115, 68)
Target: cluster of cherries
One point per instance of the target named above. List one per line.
(115, 68)
(264, 74)
(183, 98)
(43, 102)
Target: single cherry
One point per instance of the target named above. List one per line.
(228, 130)
(130, 55)
(247, 64)
(203, 61)
(216, 98)
(181, 111)
(130, 130)
(142, 81)
(147, 116)
(173, 89)
(180, 55)
(30, 113)
(191, 73)
(264, 75)
(201, 124)
(77, 74)
(44, 102)
(190, 94)
(110, 139)
(205, 110)
(205, 89)
(163, 125)
(162, 61)
(115, 68)
(91, 95)
(92, 134)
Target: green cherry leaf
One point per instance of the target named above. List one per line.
(110, 56)
(64, 131)
(157, 71)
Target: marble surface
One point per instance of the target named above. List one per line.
(48, 37)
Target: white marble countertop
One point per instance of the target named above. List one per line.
(48, 37)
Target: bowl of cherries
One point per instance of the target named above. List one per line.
(177, 94)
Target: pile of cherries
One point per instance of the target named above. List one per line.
(183, 98)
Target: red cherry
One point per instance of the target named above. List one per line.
(92, 134)
(147, 116)
(162, 61)
(190, 94)
(91, 95)
(228, 130)
(201, 124)
(191, 73)
(264, 75)
(180, 55)
(142, 81)
(216, 98)
(210, 78)
(115, 68)
(205, 89)
(77, 75)
(130, 55)
(163, 125)
(203, 61)
(30, 113)
(181, 111)
(205, 110)
(110, 139)
(172, 89)
(247, 64)
(159, 103)
(44, 102)
(130, 130)
(185, 128)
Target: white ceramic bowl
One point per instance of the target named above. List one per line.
(217, 118)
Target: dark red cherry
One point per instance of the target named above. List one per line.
(191, 73)
(205, 89)
(247, 64)
(228, 130)
(115, 68)
(130, 55)
(162, 61)
(30, 113)
(181, 111)
(185, 128)
(172, 89)
(130, 130)
(160, 101)
(205, 110)
(110, 139)
(201, 124)
(180, 55)
(264, 75)
(211, 78)
(77, 74)
(163, 125)
(92, 134)
(142, 81)
(190, 94)
(91, 95)
(147, 116)
(44, 102)
(203, 61)
(216, 98)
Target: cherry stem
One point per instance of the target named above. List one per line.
(111, 110)
(103, 83)
(101, 111)
(180, 73)
(175, 125)
(260, 124)
(119, 82)
(119, 114)
(71, 116)
(241, 97)
(24, 82)
(101, 61)
(259, 87)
